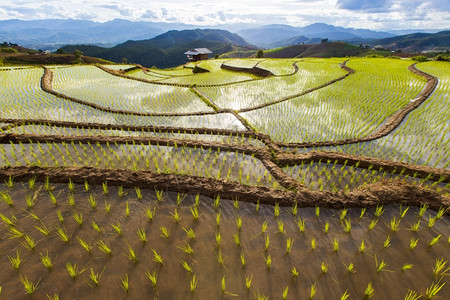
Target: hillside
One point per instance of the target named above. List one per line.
(417, 41)
(167, 50)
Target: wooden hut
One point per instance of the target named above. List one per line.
(198, 54)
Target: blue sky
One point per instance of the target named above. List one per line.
(371, 14)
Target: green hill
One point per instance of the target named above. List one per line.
(167, 50)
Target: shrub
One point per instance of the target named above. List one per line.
(420, 58)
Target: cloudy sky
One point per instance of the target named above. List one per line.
(371, 14)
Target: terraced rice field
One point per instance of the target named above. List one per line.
(329, 179)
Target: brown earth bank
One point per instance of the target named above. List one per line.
(255, 70)
(392, 123)
(382, 193)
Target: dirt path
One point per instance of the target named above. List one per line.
(374, 194)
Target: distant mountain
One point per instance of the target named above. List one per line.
(416, 41)
(295, 41)
(52, 34)
(268, 35)
(167, 50)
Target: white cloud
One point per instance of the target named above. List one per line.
(374, 14)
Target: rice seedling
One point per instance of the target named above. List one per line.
(264, 226)
(413, 243)
(142, 235)
(351, 268)
(266, 242)
(335, 245)
(63, 235)
(105, 188)
(285, 293)
(415, 226)
(440, 268)
(190, 233)
(127, 209)
(86, 185)
(218, 237)
(118, 228)
(218, 218)
(434, 289)
(294, 209)
(313, 244)
(238, 221)
(313, 291)
(149, 213)
(403, 211)
(43, 229)
(193, 283)
(73, 270)
(223, 284)
(326, 227)
(92, 202)
(186, 266)
(276, 210)
(10, 182)
(289, 244)
(407, 266)
(86, 246)
(412, 295)
(159, 195)
(379, 210)
(248, 281)
(395, 225)
(194, 212)
(124, 283)
(257, 206)
(324, 267)
(362, 247)
(6, 197)
(29, 242)
(294, 273)
(186, 249)
(280, 226)
(387, 242)
(102, 246)
(381, 266)
(132, 255)
(15, 233)
(120, 191)
(47, 261)
(242, 259)
(157, 257)
(441, 212)
(217, 201)
(176, 216)
(165, 232)
(32, 182)
(300, 224)
(373, 223)
(363, 211)
(317, 211)
(236, 239)
(370, 291)
(423, 209)
(219, 257)
(268, 261)
(78, 217)
(153, 277)
(15, 260)
(8, 222)
(107, 206)
(54, 297)
(28, 285)
(434, 241)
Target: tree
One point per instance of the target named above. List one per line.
(260, 54)
(324, 41)
(61, 51)
(124, 60)
(78, 56)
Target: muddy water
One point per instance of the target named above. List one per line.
(174, 281)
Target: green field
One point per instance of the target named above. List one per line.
(329, 179)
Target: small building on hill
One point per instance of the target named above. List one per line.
(198, 54)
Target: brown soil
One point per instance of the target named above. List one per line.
(374, 194)
(255, 70)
